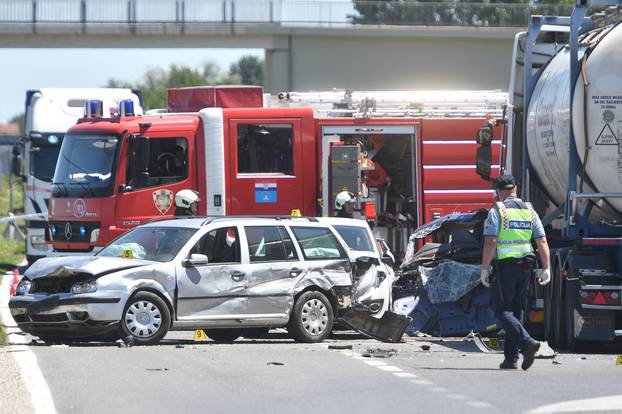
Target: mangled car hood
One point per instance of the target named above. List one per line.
(87, 265)
(463, 220)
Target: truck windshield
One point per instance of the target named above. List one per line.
(85, 166)
(43, 155)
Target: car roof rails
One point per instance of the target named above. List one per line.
(211, 219)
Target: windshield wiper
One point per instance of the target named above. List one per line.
(62, 188)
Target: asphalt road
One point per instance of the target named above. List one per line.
(276, 375)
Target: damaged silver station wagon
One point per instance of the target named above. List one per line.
(229, 276)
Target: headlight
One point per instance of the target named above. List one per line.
(23, 287)
(84, 287)
(38, 242)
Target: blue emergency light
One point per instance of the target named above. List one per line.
(126, 107)
(53, 139)
(53, 229)
(82, 230)
(93, 109)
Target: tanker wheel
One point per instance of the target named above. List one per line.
(548, 315)
(572, 304)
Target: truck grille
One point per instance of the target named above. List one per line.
(70, 231)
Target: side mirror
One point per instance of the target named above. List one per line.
(139, 158)
(388, 259)
(195, 260)
(16, 161)
(484, 161)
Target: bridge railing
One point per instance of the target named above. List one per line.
(282, 12)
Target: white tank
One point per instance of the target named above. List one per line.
(550, 118)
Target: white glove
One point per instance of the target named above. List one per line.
(484, 277)
(543, 276)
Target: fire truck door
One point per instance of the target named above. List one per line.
(265, 166)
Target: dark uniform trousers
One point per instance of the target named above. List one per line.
(508, 298)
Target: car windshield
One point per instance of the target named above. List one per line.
(160, 244)
(357, 238)
(84, 167)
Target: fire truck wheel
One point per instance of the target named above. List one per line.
(312, 318)
(146, 319)
(223, 335)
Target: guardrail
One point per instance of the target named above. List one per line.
(280, 12)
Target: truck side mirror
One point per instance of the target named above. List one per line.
(16, 161)
(140, 159)
(484, 161)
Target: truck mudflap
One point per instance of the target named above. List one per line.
(389, 328)
(594, 325)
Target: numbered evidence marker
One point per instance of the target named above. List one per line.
(493, 342)
(199, 335)
(127, 254)
(619, 360)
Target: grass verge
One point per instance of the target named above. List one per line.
(11, 251)
(2, 336)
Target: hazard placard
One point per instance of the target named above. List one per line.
(607, 136)
(199, 335)
(619, 360)
(493, 342)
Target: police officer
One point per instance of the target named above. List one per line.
(344, 204)
(186, 203)
(509, 228)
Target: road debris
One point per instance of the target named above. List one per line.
(179, 346)
(339, 347)
(425, 347)
(275, 363)
(157, 369)
(379, 353)
(556, 362)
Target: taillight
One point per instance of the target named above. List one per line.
(599, 297)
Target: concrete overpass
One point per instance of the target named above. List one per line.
(300, 55)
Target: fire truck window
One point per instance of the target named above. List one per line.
(168, 162)
(265, 244)
(265, 148)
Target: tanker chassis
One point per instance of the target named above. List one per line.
(563, 144)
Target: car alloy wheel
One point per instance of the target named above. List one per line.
(143, 318)
(314, 317)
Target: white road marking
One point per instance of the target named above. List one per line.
(438, 389)
(611, 403)
(457, 397)
(422, 382)
(389, 368)
(40, 394)
(404, 375)
(479, 404)
(374, 363)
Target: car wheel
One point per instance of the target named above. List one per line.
(223, 335)
(146, 319)
(312, 318)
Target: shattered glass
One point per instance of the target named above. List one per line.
(449, 280)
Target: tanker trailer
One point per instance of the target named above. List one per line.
(563, 142)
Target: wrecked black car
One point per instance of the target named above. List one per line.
(440, 286)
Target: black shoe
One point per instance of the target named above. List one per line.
(529, 353)
(508, 365)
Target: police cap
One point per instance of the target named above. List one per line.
(504, 182)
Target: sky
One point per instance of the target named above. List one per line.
(24, 69)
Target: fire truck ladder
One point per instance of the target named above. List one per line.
(368, 104)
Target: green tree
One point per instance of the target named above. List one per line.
(154, 83)
(249, 70)
(454, 13)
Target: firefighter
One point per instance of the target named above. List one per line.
(186, 203)
(509, 228)
(344, 204)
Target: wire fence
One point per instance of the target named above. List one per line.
(280, 12)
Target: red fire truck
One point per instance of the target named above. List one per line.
(409, 156)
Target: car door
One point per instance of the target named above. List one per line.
(274, 270)
(217, 290)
